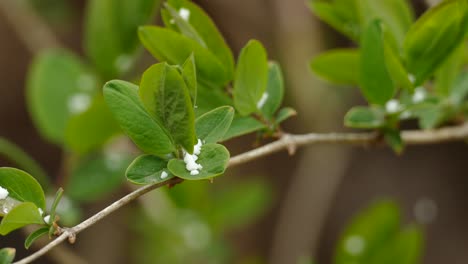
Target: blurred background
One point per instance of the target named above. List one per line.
(278, 209)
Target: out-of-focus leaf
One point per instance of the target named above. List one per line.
(212, 126)
(396, 69)
(147, 169)
(251, 78)
(167, 98)
(123, 101)
(213, 157)
(284, 114)
(241, 126)
(376, 82)
(393, 139)
(446, 75)
(7, 255)
(111, 38)
(22, 186)
(434, 36)
(459, 91)
(274, 91)
(24, 214)
(35, 236)
(58, 86)
(91, 129)
(97, 175)
(340, 66)
(365, 117)
(430, 115)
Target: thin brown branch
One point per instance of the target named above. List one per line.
(416, 137)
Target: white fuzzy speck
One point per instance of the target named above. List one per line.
(40, 211)
(190, 159)
(124, 62)
(194, 172)
(197, 147)
(47, 219)
(164, 175)
(3, 193)
(419, 95)
(411, 78)
(355, 245)
(86, 82)
(262, 101)
(425, 210)
(79, 103)
(184, 13)
(392, 106)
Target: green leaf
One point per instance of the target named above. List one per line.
(111, 39)
(393, 139)
(339, 66)
(203, 28)
(184, 26)
(251, 77)
(459, 91)
(147, 169)
(446, 75)
(58, 85)
(274, 91)
(213, 157)
(167, 99)
(434, 36)
(104, 171)
(24, 214)
(35, 236)
(365, 117)
(212, 126)
(91, 129)
(376, 82)
(170, 46)
(285, 113)
(209, 99)
(241, 126)
(368, 231)
(7, 255)
(123, 101)
(189, 73)
(22, 186)
(430, 115)
(396, 69)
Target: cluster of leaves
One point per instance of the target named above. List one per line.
(405, 69)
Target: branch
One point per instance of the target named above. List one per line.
(288, 141)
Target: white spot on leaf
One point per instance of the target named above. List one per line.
(3, 193)
(262, 101)
(79, 103)
(184, 13)
(355, 245)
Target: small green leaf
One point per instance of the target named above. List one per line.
(274, 92)
(434, 36)
(123, 101)
(111, 37)
(104, 171)
(189, 73)
(393, 139)
(213, 157)
(284, 114)
(446, 75)
(89, 130)
(170, 46)
(459, 91)
(35, 236)
(166, 97)
(251, 77)
(24, 214)
(58, 85)
(242, 125)
(376, 82)
(7, 255)
(212, 126)
(365, 117)
(53, 211)
(22, 186)
(430, 115)
(396, 69)
(339, 66)
(147, 169)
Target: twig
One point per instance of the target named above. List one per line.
(416, 137)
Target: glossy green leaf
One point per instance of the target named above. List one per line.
(446, 75)
(22, 186)
(368, 231)
(104, 171)
(251, 78)
(111, 37)
(201, 27)
(365, 117)
(434, 36)
(24, 214)
(284, 114)
(35, 236)
(209, 99)
(213, 157)
(212, 126)
(170, 46)
(189, 73)
(376, 82)
(7, 255)
(241, 126)
(91, 129)
(167, 98)
(340, 66)
(459, 92)
(274, 92)
(58, 85)
(148, 169)
(124, 103)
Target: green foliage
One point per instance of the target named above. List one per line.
(243, 125)
(22, 186)
(35, 236)
(212, 126)
(26, 213)
(7, 255)
(365, 117)
(274, 91)
(340, 66)
(147, 169)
